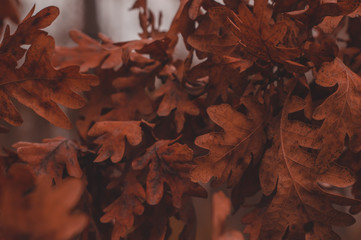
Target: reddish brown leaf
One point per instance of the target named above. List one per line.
(121, 212)
(231, 151)
(256, 33)
(299, 206)
(170, 163)
(50, 157)
(111, 137)
(175, 98)
(36, 84)
(34, 210)
(340, 112)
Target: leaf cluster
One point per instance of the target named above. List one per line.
(267, 103)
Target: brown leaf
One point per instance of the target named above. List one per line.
(340, 112)
(36, 84)
(170, 163)
(300, 206)
(256, 33)
(121, 212)
(39, 211)
(89, 53)
(111, 138)
(50, 157)
(175, 98)
(231, 151)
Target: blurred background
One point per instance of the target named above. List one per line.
(112, 18)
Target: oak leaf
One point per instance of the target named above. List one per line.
(121, 212)
(169, 162)
(111, 137)
(231, 151)
(340, 112)
(37, 210)
(91, 54)
(50, 157)
(37, 84)
(175, 98)
(300, 207)
(256, 33)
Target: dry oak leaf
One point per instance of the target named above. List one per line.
(38, 211)
(111, 138)
(11, 52)
(51, 157)
(223, 75)
(41, 87)
(49, 87)
(340, 112)
(121, 212)
(175, 98)
(170, 163)
(256, 33)
(91, 54)
(221, 208)
(231, 151)
(98, 102)
(210, 37)
(27, 31)
(300, 207)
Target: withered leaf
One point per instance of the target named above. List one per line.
(231, 151)
(51, 157)
(256, 33)
(37, 210)
(111, 138)
(169, 162)
(175, 98)
(91, 54)
(300, 206)
(340, 112)
(121, 212)
(37, 84)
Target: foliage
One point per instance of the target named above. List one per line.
(267, 103)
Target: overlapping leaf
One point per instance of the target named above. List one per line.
(257, 33)
(170, 163)
(175, 98)
(51, 157)
(37, 84)
(36, 210)
(340, 112)
(300, 207)
(111, 138)
(231, 151)
(121, 212)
